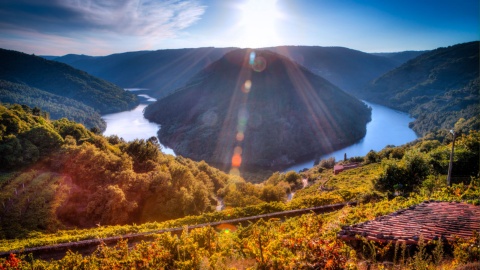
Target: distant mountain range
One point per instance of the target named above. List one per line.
(348, 69)
(163, 71)
(437, 88)
(261, 107)
(60, 89)
(400, 57)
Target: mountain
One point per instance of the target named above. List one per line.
(260, 108)
(437, 88)
(50, 81)
(161, 71)
(166, 70)
(348, 69)
(401, 57)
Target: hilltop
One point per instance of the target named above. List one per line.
(274, 110)
(54, 83)
(437, 88)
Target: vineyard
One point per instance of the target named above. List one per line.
(71, 186)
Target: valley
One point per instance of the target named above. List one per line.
(63, 183)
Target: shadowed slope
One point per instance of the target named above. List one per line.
(161, 71)
(348, 69)
(258, 108)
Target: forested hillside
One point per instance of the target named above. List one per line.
(57, 174)
(61, 80)
(437, 88)
(56, 106)
(161, 71)
(274, 110)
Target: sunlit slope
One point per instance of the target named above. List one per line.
(56, 174)
(437, 88)
(258, 108)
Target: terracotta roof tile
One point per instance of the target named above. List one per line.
(431, 219)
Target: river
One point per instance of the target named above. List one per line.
(387, 127)
(131, 125)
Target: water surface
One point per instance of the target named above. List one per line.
(131, 125)
(388, 127)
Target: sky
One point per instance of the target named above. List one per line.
(103, 27)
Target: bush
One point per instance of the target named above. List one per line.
(327, 163)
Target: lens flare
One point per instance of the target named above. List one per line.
(240, 136)
(246, 86)
(234, 171)
(252, 58)
(259, 64)
(226, 227)
(236, 160)
(238, 150)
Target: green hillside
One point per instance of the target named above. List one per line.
(437, 88)
(63, 80)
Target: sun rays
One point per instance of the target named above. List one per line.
(258, 23)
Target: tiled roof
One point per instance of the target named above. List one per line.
(431, 219)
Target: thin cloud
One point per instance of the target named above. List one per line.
(76, 18)
(130, 17)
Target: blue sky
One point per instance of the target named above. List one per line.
(101, 27)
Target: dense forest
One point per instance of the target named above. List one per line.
(437, 88)
(88, 180)
(272, 110)
(32, 80)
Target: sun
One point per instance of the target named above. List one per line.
(258, 23)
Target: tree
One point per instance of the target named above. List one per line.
(405, 175)
(142, 152)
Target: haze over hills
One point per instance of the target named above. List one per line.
(166, 70)
(161, 71)
(35, 81)
(401, 57)
(275, 111)
(348, 69)
(437, 88)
